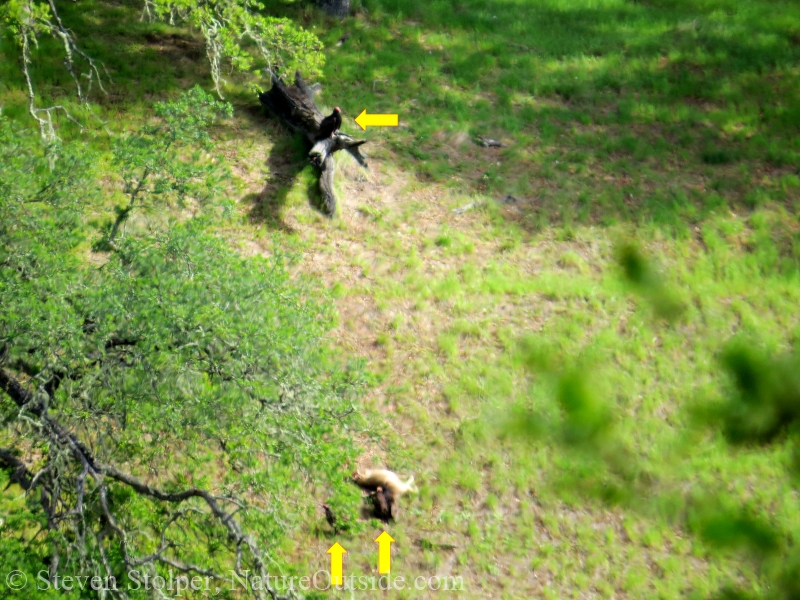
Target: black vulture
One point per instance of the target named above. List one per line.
(384, 503)
(331, 518)
(331, 124)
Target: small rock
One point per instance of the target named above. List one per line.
(488, 142)
(462, 209)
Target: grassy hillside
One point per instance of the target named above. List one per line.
(673, 123)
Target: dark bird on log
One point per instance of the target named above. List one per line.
(330, 124)
(385, 504)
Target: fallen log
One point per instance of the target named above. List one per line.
(295, 106)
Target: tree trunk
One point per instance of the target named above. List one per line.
(335, 8)
(295, 105)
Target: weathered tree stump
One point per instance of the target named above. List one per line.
(296, 107)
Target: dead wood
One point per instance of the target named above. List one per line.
(295, 106)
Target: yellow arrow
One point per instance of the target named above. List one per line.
(364, 120)
(384, 553)
(336, 552)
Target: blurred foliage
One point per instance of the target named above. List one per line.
(765, 401)
(583, 423)
(724, 525)
(645, 279)
(237, 35)
(761, 407)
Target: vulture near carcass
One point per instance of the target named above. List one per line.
(331, 518)
(330, 124)
(385, 505)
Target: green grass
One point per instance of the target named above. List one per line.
(611, 110)
(671, 122)
(674, 123)
(507, 503)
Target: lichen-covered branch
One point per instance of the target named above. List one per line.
(30, 20)
(339, 141)
(236, 33)
(73, 475)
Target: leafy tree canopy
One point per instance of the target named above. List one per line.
(236, 33)
(168, 407)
